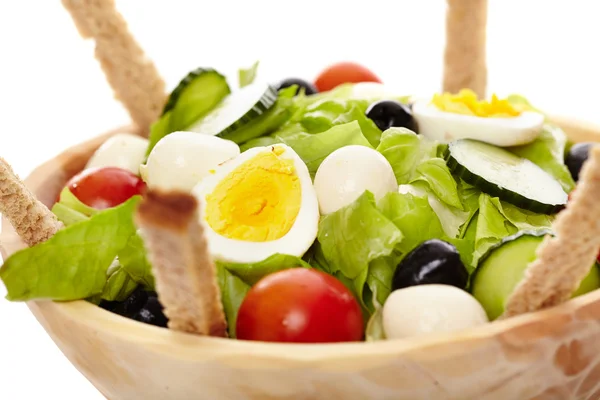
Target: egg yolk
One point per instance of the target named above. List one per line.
(466, 103)
(258, 201)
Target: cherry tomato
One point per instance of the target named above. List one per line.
(107, 187)
(300, 305)
(343, 72)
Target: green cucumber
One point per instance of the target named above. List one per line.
(503, 267)
(195, 85)
(237, 110)
(198, 93)
(503, 174)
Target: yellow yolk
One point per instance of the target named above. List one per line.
(466, 103)
(258, 201)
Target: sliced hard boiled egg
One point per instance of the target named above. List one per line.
(123, 150)
(451, 117)
(346, 173)
(424, 309)
(258, 204)
(182, 159)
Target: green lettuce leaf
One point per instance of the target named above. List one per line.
(413, 216)
(247, 76)
(119, 284)
(354, 236)
(405, 151)
(323, 115)
(235, 280)
(233, 291)
(547, 151)
(73, 263)
(313, 148)
(451, 218)
(252, 273)
(70, 210)
(437, 174)
(379, 280)
(497, 219)
(374, 330)
(134, 261)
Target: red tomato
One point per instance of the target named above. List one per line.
(300, 305)
(106, 187)
(343, 72)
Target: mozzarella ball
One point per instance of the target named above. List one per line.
(182, 159)
(346, 173)
(122, 150)
(423, 309)
(446, 127)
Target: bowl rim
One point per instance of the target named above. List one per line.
(193, 347)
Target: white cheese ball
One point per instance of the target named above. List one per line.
(122, 150)
(423, 309)
(346, 173)
(182, 159)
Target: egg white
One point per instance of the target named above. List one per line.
(446, 127)
(295, 242)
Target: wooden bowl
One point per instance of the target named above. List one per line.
(553, 354)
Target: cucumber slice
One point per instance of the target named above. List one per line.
(195, 85)
(500, 173)
(237, 110)
(503, 266)
(197, 94)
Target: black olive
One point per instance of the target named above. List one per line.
(390, 113)
(132, 304)
(152, 313)
(309, 88)
(432, 262)
(577, 155)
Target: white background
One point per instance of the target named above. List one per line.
(53, 94)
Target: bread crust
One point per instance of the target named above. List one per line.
(563, 261)
(133, 77)
(31, 219)
(465, 64)
(186, 277)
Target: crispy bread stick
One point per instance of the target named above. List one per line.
(32, 220)
(564, 260)
(465, 54)
(185, 275)
(133, 78)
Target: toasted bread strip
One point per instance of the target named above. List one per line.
(564, 260)
(32, 220)
(134, 78)
(465, 53)
(185, 275)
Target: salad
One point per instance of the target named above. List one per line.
(329, 211)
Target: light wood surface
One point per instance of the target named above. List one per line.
(553, 354)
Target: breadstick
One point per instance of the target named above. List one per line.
(133, 78)
(564, 260)
(185, 275)
(32, 220)
(465, 53)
